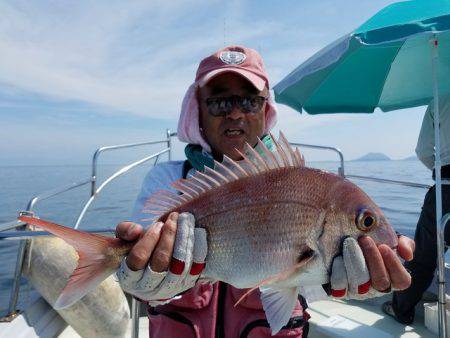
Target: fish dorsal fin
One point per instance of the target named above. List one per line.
(161, 202)
(278, 305)
(287, 149)
(300, 158)
(256, 158)
(196, 186)
(218, 176)
(235, 167)
(280, 153)
(184, 186)
(269, 156)
(250, 163)
(225, 171)
(201, 181)
(261, 159)
(254, 161)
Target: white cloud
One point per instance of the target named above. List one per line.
(136, 57)
(87, 55)
(139, 57)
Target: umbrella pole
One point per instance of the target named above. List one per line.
(437, 169)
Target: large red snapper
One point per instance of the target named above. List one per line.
(271, 223)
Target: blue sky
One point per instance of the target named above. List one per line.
(78, 75)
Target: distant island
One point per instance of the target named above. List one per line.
(373, 157)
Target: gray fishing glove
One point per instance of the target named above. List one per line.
(188, 261)
(350, 278)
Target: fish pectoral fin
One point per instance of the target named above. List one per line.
(278, 305)
(246, 294)
(279, 277)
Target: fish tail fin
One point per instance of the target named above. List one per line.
(94, 262)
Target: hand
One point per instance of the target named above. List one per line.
(386, 269)
(365, 270)
(165, 261)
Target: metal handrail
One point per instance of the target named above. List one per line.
(384, 180)
(341, 169)
(12, 312)
(118, 173)
(16, 235)
(54, 192)
(135, 306)
(45, 195)
(11, 225)
(120, 146)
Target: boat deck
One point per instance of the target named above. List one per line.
(336, 318)
(361, 319)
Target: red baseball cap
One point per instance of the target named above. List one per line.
(241, 60)
(237, 59)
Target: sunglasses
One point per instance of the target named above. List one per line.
(222, 106)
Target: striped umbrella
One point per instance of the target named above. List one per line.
(384, 63)
(399, 58)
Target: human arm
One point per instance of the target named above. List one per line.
(425, 142)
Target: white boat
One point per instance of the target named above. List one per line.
(329, 318)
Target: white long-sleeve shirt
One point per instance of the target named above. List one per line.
(425, 143)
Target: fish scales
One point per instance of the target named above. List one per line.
(258, 224)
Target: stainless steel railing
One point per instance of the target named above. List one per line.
(396, 182)
(118, 173)
(101, 150)
(341, 169)
(135, 306)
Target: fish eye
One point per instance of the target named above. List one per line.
(365, 220)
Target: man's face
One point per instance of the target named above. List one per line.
(226, 133)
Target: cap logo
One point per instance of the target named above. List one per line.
(232, 57)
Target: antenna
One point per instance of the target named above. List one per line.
(224, 31)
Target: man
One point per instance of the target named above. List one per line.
(423, 266)
(228, 105)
